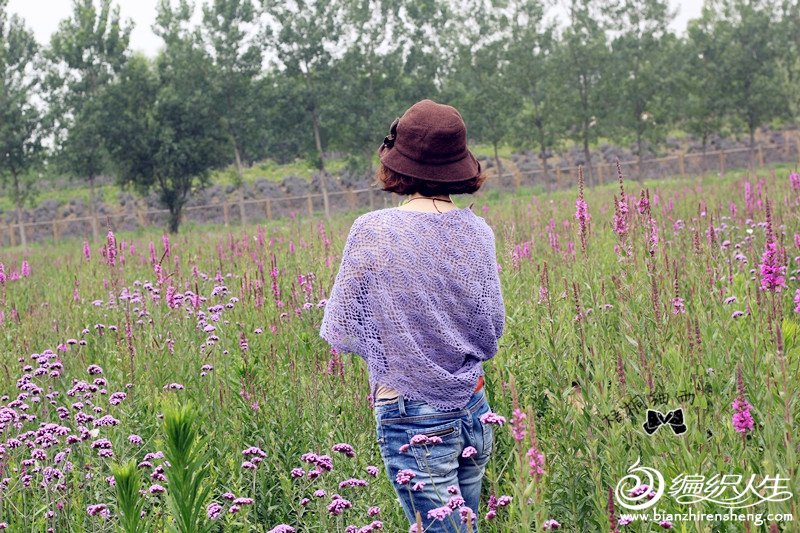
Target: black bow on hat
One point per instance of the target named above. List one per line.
(656, 419)
(388, 141)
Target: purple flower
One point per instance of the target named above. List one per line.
(373, 511)
(338, 505)
(404, 476)
(666, 524)
(298, 472)
(797, 301)
(625, 519)
(319, 493)
(492, 418)
(214, 511)
(440, 513)
(156, 489)
(135, 439)
(550, 524)
(518, 427)
(282, 528)
(742, 420)
(352, 483)
(100, 508)
(419, 485)
(468, 452)
(247, 465)
(243, 501)
(638, 490)
(94, 370)
(455, 502)
(372, 471)
(794, 180)
(536, 462)
(467, 514)
(345, 449)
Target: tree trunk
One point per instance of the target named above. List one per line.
(92, 209)
(18, 202)
(639, 155)
(587, 155)
(752, 147)
(497, 162)
(323, 173)
(703, 167)
(175, 217)
(543, 153)
(240, 176)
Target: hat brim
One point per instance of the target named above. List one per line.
(461, 170)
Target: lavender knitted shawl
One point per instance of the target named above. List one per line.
(418, 297)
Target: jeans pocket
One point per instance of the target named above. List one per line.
(439, 458)
(488, 438)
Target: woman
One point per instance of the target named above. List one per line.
(418, 297)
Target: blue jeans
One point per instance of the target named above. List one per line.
(438, 466)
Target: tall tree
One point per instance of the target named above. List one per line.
(20, 120)
(368, 79)
(229, 33)
(532, 73)
(305, 33)
(162, 127)
(642, 52)
(704, 82)
(582, 60)
(86, 53)
(750, 57)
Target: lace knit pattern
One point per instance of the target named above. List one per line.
(418, 297)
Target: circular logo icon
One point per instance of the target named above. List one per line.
(636, 493)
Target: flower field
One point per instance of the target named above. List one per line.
(157, 383)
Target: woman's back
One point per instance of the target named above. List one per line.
(418, 297)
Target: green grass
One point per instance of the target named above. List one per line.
(278, 393)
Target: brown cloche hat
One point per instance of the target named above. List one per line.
(429, 142)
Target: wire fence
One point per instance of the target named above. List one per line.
(511, 178)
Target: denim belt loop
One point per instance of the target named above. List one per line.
(401, 405)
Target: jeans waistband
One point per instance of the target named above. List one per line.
(475, 402)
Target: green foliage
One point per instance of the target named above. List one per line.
(188, 471)
(86, 53)
(127, 484)
(171, 132)
(21, 127)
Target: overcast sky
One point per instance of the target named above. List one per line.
(44, 15)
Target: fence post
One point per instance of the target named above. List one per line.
(798, 149)
(310, 205)
(787, 150)
(558, 177)
(55, 230)
(242, 216)
(268, 206)
(225, 212)
(721, 162)
(760, 156)
(682, 163)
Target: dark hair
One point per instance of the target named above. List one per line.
(392, 181)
